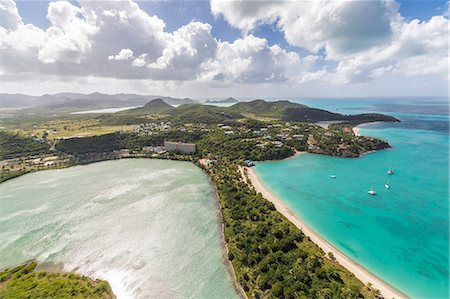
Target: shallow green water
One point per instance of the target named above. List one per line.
(149, 227)
(401, 234)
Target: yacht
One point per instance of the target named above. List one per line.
(372, 191)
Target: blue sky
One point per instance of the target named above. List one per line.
(178, 13)
(287, 47)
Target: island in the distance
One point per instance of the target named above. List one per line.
(229, 100)
(271, 257)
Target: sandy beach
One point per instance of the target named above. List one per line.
(362, 274)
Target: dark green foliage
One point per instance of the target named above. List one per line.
(24, 282)
(264, 108)
(14, 146)
(202, 114)
(236, 148)
(272, 258)
(315, 115)
(118, 141)
(10, 175)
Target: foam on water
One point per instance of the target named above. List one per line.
(148, 227)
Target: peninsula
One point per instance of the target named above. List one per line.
(271, 256)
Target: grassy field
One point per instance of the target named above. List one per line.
(24, 282)
(65, 128)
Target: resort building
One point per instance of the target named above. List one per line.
(185, 148)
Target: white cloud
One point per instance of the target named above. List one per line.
(9, 16)
(339, 26)
(342, 42)
(417, 48)
(251, 60)
(365, 38)
(124, 54)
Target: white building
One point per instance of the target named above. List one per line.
(185, 148)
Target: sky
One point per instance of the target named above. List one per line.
(216, 49)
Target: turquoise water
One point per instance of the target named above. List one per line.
(401, 234)
(149, 227)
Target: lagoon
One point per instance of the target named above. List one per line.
(151, 228)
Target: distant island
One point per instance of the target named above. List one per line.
(72, 101)
(225, 101)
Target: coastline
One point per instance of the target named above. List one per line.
(356, 129)
(224, 245)
(362, 274)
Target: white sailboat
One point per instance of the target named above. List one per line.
(387, 185)
(333, 176)
(372, 191)
(390, 171)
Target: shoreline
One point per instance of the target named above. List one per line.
(361, 273)
(223, 244)
(356, 129)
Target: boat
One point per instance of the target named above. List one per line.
(386, 185)
(333, 176)
(372, 191)
(390, 171)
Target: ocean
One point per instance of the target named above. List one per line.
(402, 233)
(151, 228)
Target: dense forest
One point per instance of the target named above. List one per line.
(122, 140)
(272, 257)
(14, 145)
(316, 115)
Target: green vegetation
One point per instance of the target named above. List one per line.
(121, 140)
(14, 145)
(264, 108)
(154, 106)
(4, 176)
(24, 282)
(272, 257)
(306, 114)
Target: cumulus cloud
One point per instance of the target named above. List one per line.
(118, 39)
(124, 54)
(339, 41)
(102, 38)
(365, 38)
(339, 26)
(250, 60)
(418, 48)
(9, 15)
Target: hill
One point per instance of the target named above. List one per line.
(316, 115)
(202, 114)
(264, 108)
(154, 106)
(70, 100)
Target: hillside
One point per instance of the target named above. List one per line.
(264, 108)
(202, 114)
(154, 106)
(316, 115)
(70, 100)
